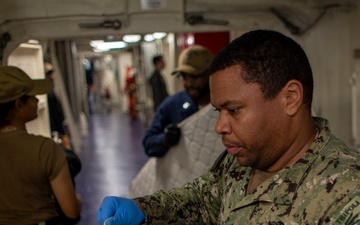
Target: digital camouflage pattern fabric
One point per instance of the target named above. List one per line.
(321, 188)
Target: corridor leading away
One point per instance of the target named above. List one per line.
(112, 155)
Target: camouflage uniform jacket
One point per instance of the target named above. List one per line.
(321, 188)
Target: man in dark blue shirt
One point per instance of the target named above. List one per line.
(192, 69)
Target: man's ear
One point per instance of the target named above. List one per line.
(294, 93)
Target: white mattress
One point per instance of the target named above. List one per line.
(197, 150)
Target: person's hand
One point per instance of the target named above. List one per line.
(171, 135)
(119, 211)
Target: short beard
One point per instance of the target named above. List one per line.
(202, 92)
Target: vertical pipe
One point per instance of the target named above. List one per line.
(64, 63)
(354, 122)
(354, 100)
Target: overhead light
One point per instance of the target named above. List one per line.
(132, 38)
(100, 45)
(112, 45)
(156, 35)
(190, 40)
(149, 37)
(159, 35)
(95, 43)
(32, 41)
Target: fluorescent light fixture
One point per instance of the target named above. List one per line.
(149, 37)
(112, 45)
(159, 35)
(132, 38)
(100, 46)
(95, 43)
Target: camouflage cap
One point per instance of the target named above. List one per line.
(194, 60)
(15, 83)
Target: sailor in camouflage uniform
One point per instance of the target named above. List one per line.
(281, 165)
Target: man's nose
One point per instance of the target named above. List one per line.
(222, 126)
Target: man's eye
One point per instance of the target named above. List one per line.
(233, 110)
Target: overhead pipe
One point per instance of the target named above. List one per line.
(288, 24)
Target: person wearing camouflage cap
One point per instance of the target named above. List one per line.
(281, 164)
(192, 69)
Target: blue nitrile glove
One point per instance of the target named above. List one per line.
(123, 211)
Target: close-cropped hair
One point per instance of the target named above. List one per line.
(6, 109)
(157, 58)
(269, 59)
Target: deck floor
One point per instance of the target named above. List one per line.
(111, 155)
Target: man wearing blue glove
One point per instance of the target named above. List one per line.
(192, 69)
(119, 211)
(281, 165)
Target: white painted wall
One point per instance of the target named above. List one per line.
(330, 53)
